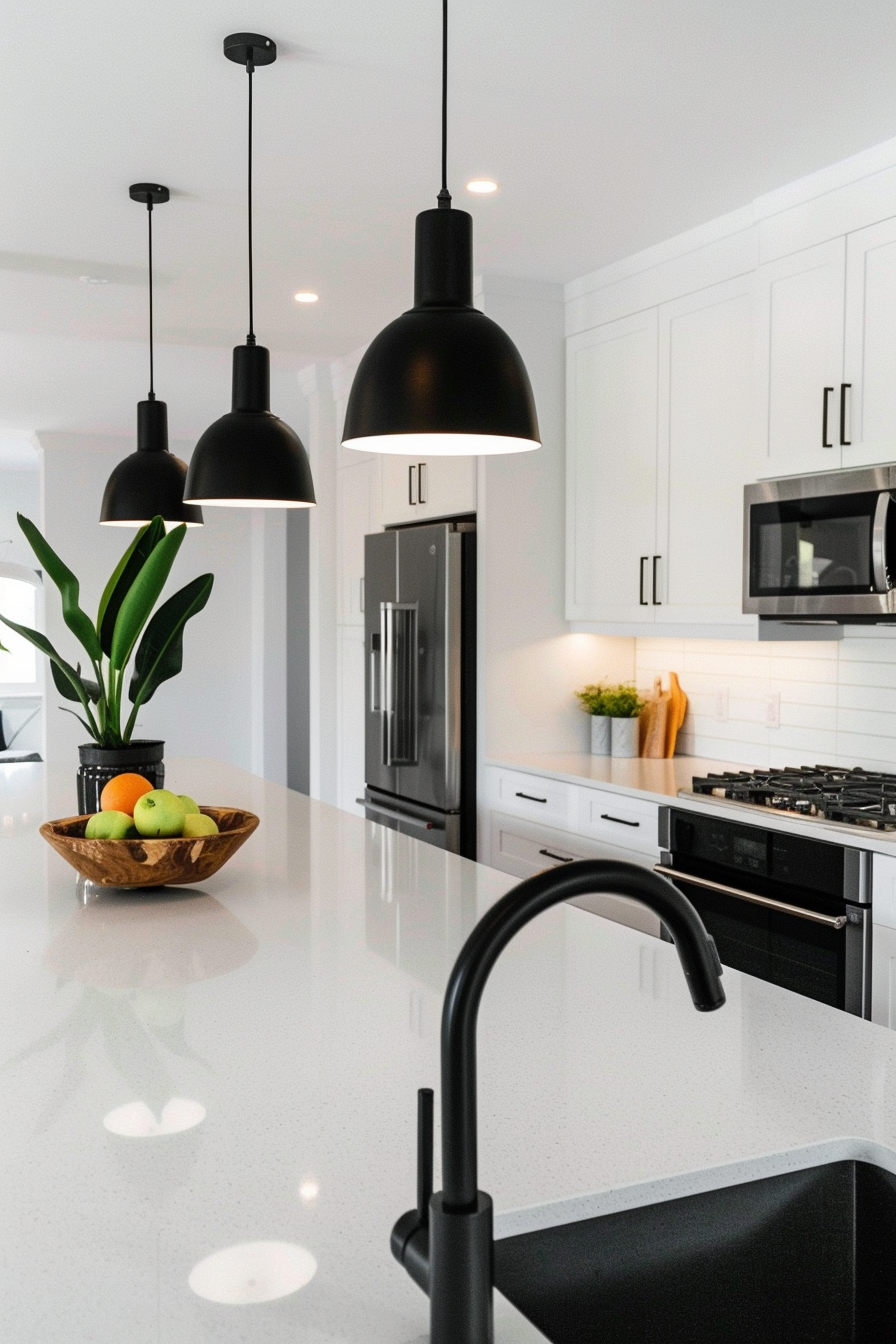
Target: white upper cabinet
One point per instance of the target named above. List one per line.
(870, 350)
(704, 458)
(437, 487)
(611, 470)
(357, 491)
(799, 360)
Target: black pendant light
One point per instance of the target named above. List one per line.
(150, 481)
(249, 458)
(442, 379)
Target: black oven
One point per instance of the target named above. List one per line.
(785, 908)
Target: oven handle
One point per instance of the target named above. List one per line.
(879, 543)
(832, 921)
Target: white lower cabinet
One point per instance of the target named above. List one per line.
(523, 849)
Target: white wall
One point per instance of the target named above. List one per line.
(530, 662)
(208, 709)
(836, 701)
(19, 493)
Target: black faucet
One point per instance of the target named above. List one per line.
(446, 1243)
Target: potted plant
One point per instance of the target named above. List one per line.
(622, 704)
(591, 699)
(125, 634)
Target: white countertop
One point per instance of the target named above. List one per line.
(297, 1000)
(663, 781)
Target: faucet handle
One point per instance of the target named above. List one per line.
(425, 1125)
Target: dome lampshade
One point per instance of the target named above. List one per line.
(151, 480)
(249, 458)
(443, 378)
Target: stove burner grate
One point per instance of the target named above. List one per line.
(858, 797)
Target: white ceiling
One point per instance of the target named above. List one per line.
(610, 124)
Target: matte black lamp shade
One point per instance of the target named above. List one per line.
(249, 458)
(443, 379)
(151, 480)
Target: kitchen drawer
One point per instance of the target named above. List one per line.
(523, 850)
(533, 796)
(620, 819)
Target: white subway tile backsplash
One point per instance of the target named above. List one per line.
(836, 701)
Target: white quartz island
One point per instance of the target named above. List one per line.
(292, 1008)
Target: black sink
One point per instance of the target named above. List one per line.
(804, 1258)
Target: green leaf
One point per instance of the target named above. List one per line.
(68, 673)
(126, 571)
(161, 651)
(142, 597)
(65, 688)
(78, 621)
(78, 717)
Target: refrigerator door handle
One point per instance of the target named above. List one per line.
(399, 682)
(395, 815)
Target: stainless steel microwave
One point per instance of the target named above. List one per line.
(822, 547)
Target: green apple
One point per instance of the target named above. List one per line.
(159, 814)
(190, 807)
(196, 824)
(109, 826)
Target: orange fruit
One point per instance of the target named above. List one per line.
(122, 792)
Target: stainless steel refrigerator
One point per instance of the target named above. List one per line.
(420, 644)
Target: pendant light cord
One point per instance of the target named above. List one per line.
(250, 339)
(444, 196)
(152, 394)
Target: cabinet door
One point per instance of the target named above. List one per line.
(799, 333)
(356, 495)
(350, 718)
(400, 498)
(611, 470)
(870, 358)
(705, 453)
(446, 486)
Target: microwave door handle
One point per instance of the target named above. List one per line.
(832, 921)
(879, 543)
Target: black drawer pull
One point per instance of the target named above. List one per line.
(620, 821)
(824, 418)
(561, 858)
(531, 798)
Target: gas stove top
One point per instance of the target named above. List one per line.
(853, 797)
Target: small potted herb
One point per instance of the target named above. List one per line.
(615, 711)
(125, 635)
(591, 699)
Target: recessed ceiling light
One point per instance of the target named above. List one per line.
(306, 296)
(482, 186)
(92, 280)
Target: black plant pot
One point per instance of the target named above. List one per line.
(100, 764)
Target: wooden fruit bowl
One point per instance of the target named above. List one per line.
(150, 863)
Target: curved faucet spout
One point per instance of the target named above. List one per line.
(696, 951)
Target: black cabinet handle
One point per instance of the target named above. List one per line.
(620, 821)
(656, 560)
(531, 798)
(844, 441)
(824, 418)
(549, 854)
(421, 483)
(642, 599)
(411, 499)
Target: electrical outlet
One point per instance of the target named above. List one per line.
(773, 710)
(722, 705)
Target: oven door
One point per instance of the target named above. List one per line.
(821, 955)
(819, 554)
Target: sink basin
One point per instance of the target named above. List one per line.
(807, 1257)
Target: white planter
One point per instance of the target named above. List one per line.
(600, 735)
(624, 737)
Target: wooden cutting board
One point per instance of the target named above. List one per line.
(678, 707)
